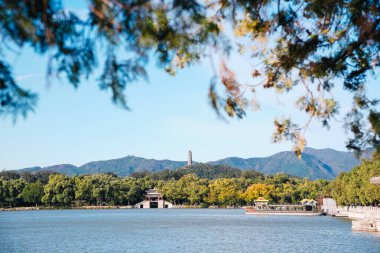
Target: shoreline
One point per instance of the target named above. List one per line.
(34, 208)
(39, 208)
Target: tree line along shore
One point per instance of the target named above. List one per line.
(195, 186)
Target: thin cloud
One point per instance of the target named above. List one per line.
(29, 76)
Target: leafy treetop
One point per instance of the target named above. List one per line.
(309, 43)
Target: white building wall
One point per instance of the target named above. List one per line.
(161, 204)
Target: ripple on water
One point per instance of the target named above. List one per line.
(176, 230)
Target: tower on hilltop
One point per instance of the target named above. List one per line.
(189, 158)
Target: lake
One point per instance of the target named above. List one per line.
(177, 230)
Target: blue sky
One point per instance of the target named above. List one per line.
(168, 116)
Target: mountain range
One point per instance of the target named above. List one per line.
(315, 163)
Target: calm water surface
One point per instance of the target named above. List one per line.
(177, 230)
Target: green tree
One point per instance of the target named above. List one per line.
(287, 193)
(9, 174)
(354, 187)
(83, 190)
(134, 194)
(172, 193)
(103, 189)
(224, 192)
(11, 191)
(194, 189)
(59, 191)
(2, 191)
(255, 191)
(33, 193)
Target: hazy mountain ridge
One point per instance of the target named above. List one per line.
(315, 163)
(68, 169)
(129, 164)
(286, 162)
(121, 166)
(339, 161)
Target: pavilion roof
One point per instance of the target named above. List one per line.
(307, 200)
(152, 191)
(261, 199)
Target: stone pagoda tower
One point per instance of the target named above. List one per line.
(190, 158)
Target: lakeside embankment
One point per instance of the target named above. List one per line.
(32, 208)
(364, 218)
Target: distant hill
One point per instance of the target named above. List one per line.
(129, 164)
(285, 162)
(315, 163)
(122, 166)
(339, 161)
(67, 169)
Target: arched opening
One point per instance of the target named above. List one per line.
(153, 205)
